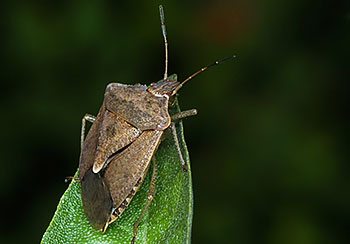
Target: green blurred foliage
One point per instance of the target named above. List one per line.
(269, 148)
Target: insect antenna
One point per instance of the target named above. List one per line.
(162, 22)
(201, 71)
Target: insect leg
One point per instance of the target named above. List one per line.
(90, 118)
(150, 197)
(174, 118)
(87, 117)
(71, 178)
(184, 114)
(177, 144)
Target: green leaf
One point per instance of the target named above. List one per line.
(168, 220)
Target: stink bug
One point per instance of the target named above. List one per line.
(122, 141)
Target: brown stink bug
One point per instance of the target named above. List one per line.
(122, 141)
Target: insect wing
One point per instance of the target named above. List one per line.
(127, 170)
(88, 152)
(96, 200)
(108, 134)
(115, 134)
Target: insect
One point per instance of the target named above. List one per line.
(119, 147)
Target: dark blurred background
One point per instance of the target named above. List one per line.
(269, 147)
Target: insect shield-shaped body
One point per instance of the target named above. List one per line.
(119, 147)
(122, 141)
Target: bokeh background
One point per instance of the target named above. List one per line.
(269, 147)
